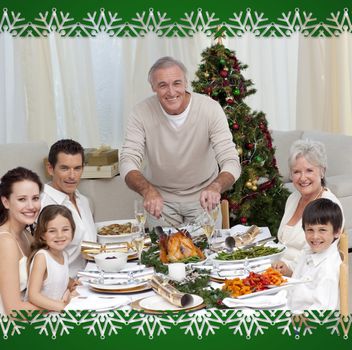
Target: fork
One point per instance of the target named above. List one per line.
(183, 230)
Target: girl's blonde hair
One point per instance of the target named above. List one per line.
(48, 213)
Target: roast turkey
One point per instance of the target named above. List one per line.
(178, 246)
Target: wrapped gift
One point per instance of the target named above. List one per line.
(104, 155)
(100, 171)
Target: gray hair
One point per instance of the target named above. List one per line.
(313, 151)
(165, 62)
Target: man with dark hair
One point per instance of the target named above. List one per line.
(65, 166)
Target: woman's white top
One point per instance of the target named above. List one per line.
(56, 282)
(22, 269)
(293, 237)
(323, 270)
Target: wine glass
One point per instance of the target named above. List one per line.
(208, 226)
(138, 245)
(215, 212)
(139, 213)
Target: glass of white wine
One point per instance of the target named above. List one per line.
(215, 212)
(208, 226)
(139, 213)
(138, 245)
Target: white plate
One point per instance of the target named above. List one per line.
(127, 237)
(158, 303)
(273, 290)
(271, 257)
(119, 284)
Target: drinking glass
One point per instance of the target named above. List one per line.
(215, 212)
(138, 245)
(208, 225)
(139, 213)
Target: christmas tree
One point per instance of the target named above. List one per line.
(258, 196)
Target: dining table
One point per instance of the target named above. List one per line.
(95, 294)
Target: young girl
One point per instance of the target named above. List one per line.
(320, 263)
(49, 285)
(19, 207)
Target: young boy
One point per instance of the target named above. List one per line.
(320, 262)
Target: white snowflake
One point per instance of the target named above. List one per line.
(101, 22)
(104, 323)
(12, 326)
(197, 22)
(249, 322)
(247, 22)
(146, 22)
(55, 21)
(151, 325)
(340, 22)
(201, 324)
(296, 22)
(12, 23)
(54, 324)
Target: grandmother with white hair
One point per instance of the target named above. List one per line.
(307, 163)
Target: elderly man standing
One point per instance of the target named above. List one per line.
(184, 139)
(65, 166)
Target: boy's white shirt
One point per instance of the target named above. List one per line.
(323, 270)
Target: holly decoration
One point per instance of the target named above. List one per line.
(258, 196)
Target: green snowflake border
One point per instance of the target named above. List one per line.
(246, 323)
(161, 24)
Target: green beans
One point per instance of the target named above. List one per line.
(253, 252)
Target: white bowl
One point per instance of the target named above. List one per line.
(124, 237)
(111, 262)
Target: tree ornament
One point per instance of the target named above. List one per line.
(224, 73)
(236, 91)
(262, 126)
(258, 159)
(206, 75)
(222, 62)
(229, 100)
(254, 188)
(208, 90)
(235, 126)
(240, 151)
(249, 184)
(243, 220)
(249, 146)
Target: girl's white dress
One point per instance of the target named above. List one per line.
(55, 284)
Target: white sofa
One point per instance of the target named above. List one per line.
(339, 169)
(112, 199)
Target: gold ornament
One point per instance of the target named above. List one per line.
(249, 184)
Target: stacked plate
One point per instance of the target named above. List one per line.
(135, 278)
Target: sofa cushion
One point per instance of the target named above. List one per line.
(340, 185)
(338, 150)
(282, 140)
(29, 155)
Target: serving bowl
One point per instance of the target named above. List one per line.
(111, 262)
(115, 238)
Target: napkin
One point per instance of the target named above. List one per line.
(118, 275)
(97, 302)
(258, 302)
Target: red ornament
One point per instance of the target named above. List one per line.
(250, 146)
(208, 90)
(262, 126)
(235, 126)
(229, 100)
(243, 220)
(224, 73)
